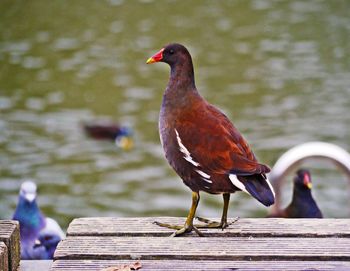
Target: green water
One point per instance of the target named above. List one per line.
(279, 69)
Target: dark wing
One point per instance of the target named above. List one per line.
(216, 144)
(102, 131)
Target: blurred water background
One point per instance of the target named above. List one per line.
(279, 69)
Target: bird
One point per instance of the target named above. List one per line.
(120, 135)
(202, 145)
(294, 157)
(303, 204)
(32, 221)
(46, 243)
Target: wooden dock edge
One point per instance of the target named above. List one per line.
(93, 244)
(183, 265)
(9, 235)
(4, 263)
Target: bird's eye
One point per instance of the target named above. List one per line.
(171, 51)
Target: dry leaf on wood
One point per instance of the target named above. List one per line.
(124, 267)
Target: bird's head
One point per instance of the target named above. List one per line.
(171, 54)
(45, 245)
(303, 179)
(28, 191)
(47, 239)
(124, 138)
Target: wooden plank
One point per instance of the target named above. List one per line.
(4, 264)
(181, 265)
(35, 265)
(9, 234)
(204, 248)
(256, 227)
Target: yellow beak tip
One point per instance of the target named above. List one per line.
(124, 142)
(150, 60)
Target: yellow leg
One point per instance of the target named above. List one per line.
(188, 227)
(225, 210)
(223, 223)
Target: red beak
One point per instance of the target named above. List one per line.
(156, 58)
(307, 181)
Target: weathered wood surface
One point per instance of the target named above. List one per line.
(255, 227)
(36, 265)
(182, 265)
(9, 234)
(255, 244)
(205, 248)
(4, 264)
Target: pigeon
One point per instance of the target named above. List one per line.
(32, 221)
(46, 243)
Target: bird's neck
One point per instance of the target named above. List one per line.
(303, 195)
(182, 74)
(181, 86)
(29, 216)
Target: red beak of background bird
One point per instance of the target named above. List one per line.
(307, 181)
(156, 58)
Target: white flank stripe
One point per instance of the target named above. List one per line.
(272, 190)
(184, 150)
(208, 181)
(241, 186)
(237, 183)
(205, 176)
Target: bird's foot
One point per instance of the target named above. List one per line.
(186, 229)
(215, 224)
(169, 226)
(180, 229)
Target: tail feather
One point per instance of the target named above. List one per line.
(257, 186)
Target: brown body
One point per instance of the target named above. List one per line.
(220, 151)
(201, 144)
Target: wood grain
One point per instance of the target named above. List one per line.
(256, 227)
(36, 265)
(4, 265)
(205, 248)
(181, 265)
(249, 244)
(9, 234)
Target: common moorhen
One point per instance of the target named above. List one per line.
(303, 204)
(121, 135)
(202, 145)
(32, 222)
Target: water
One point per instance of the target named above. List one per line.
(279, 69)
